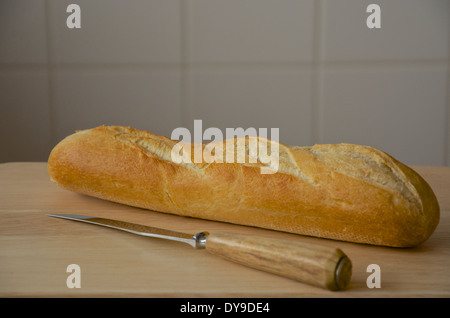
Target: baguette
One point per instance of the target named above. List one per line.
(342, 191)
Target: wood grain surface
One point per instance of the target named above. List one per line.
(35, 251)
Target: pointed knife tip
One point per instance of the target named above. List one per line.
(60, 216)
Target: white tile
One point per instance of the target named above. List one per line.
(115, 31)
(24, 115)
(399, 110)
(255, 98)
(22, 31)
(251, 30)
(410, 29)
(140, 98)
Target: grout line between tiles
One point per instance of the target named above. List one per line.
(349, 65)
(184, 63)
(447, 117)
(206, 66)
(23, 67)
(447, 120)
(117, 66)
(249, 66)
(51, 94)
(316, 105)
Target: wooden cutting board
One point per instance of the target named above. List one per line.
(36, 250)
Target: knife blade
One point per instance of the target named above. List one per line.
(313, 264)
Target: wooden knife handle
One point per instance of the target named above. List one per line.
(312, 264)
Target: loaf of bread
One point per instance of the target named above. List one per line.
(343, 191)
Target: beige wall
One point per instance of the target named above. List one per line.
(310, 68)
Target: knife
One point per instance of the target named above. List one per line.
(316, 265)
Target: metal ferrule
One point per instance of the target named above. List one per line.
(200, 240)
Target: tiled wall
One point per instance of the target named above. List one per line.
(310, 68)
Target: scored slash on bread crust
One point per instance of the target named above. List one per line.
(340, 191)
